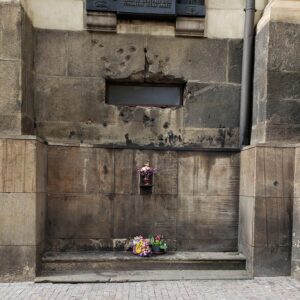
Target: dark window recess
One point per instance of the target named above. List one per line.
(144, 94)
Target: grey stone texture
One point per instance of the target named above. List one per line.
(276, 106)
(266, 209)
(16, 66)
(23, 207)
(104, 201)
(296, 220)
(259, 288)
(72, 67)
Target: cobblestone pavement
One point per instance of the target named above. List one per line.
(259, 288)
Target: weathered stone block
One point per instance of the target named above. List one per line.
(207, 220)
(274, 172)
(156, 214)
(277, 230)
(11, 124)
(94, 169)
(235, 51)
(18, 263)
(18, 219)
(272, 261)
(10, 92)
(283, 86)
(70, 244)
(248, 172)
(125, 171)
(201, 59)
(125, 223)
(260, 83)
(71, 99)
(18, 166)
(41, 168)
(211, 137)
(106, 56)
(206, 104)
(208, 174)
(79, 216)
(246, 223)
(10, 31)
(51, 52)
(284, 47)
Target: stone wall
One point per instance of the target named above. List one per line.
(23, 207)
(71, 69)
(296, 219)
(266, 209)
(94, 198)
(16, 61)
(276, 104)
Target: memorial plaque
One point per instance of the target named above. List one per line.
(152, 8)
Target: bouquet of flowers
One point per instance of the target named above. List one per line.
(141, 246)
(158, 244)
(146, 172)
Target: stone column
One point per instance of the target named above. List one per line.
(16, 64)
(266, 208)
(276, 92)
(23, 167)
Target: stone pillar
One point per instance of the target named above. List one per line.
(23, 203)
(16, 64)
(296, 219)
(276, 92)
(266, 204)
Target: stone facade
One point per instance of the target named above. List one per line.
(276, 84)
(16, 62)
(266, 208)
(104, 201)
(81, 191)
(23, 187)
(72, 68)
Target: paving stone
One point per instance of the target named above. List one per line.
(259, 288)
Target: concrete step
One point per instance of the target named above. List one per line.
(125, 261)
(139, 276)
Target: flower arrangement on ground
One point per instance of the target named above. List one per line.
(146, 172)
(158, 244)
(147, 246)
(141, 246)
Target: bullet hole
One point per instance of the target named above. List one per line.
(72, 133)
(160, 137)
(156, 55)
(275, 183)
(104, 124)
(120, 51)
(145, 50)
(128, 140)
(101, 46)
(105, 170)
(166, 125)
(127, 57)
(148, 122)
(132, 49)
(190, 61)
